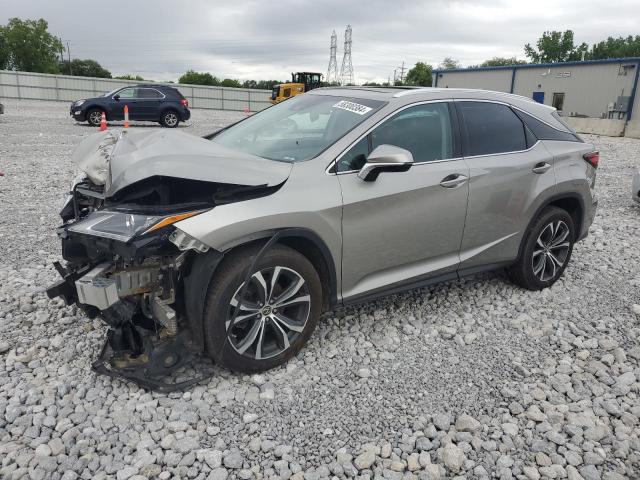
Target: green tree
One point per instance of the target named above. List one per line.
(448, 63)
(28, 46)
(230, 82)
(128, 76)
(198, 78)
(502, 61)
(83, 68)
(267, 84)
(615, 48)
(555, 46)
(421, 74)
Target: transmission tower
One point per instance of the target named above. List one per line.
(332, 71)
(346, 72)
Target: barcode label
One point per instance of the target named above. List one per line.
(353, 107)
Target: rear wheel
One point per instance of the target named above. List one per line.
(94, 117)
(546, 251)
(275, 317)
(169, 119)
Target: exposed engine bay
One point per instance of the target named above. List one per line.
(127, 263)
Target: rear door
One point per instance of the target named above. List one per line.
(404, 227)
(149, 103)
(510, 173)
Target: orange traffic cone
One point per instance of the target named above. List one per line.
(126, 116)
(103, 122)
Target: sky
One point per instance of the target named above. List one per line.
(247, 39)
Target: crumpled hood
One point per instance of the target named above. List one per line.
(118, 159)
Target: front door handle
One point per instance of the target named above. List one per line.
(541, 167)
(453, 180)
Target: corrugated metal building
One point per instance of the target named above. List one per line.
(582, 91)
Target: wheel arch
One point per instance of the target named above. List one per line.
(202, 271)
(571, 202)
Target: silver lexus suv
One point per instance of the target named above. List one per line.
(233, 244)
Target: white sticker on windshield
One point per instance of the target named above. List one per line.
(353, 107)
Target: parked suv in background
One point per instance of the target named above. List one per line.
(153, 103)
(354, 192)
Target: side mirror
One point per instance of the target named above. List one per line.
(116, 97)
(385, 158)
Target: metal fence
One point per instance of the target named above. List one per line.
(64, 88)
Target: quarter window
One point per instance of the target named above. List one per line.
(424, 130)
(491, 128)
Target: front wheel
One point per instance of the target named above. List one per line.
(546, 251)
(274, 319)
(94, 117)
(169, 119)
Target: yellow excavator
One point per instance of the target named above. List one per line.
(300, 82)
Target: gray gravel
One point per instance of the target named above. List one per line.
(474, 379)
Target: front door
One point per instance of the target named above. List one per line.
(510, 170)
(126, 96)
(404, 227)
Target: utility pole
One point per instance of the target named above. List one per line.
(394, 76)
(346, 72)
(69, 54)
(332, 70)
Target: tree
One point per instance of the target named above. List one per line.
(421, 74)
(502, 61)
(137, 78)
(230, 82)
(615, 48)
(28, 46)
(555, 46)
(198, 78)
(448, 63)
(83, 68)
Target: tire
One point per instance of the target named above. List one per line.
(169, 119)
(546, 251)
(94, 116)
(266, 325)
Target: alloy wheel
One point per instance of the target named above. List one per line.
(95, 117)
(272, 314)
(170, 119)
(551, 250)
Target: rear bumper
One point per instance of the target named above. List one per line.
(185, 114)
(590, 214)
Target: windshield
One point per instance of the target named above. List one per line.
(112, 92)
(297, 129)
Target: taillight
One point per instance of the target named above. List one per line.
(592, 158)
(184, 102)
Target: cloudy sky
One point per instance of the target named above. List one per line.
(244, 39)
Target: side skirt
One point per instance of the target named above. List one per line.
(421, 282)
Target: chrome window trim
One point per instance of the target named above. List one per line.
(373, 127)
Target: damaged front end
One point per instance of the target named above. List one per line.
(127, 263)
(136, 286)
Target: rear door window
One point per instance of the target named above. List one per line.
(149, 93)
(491, 128)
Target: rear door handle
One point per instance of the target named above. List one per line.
(541, 167)
(453, 180)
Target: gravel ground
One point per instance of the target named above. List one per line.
(472, 379)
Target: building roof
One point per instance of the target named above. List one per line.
(544, 65)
